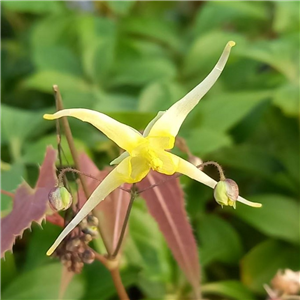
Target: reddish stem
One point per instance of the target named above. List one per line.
(9, 194)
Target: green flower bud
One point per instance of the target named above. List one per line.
(60, 198)
(226, 192)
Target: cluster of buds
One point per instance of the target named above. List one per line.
(74, 252)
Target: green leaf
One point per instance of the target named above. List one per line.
(226, 14)
(205, 51)
(121, 8)
(44, 80)
(146, 247)
(96, 38)
(104, 289)
(219, 241)
(286, 17)
(159, 96)
(230, 288)
(278, 217)
(203, 140)
(281, 54)
(8, 269)
(287, 99)
(255, 160)
(39, 241)
(56, 58)
(225, 110)
(53, 30)
(140, 72)
(114, 102)
(30, 123)
(35, 152)
(158, 28)
(42, 283)
(34, 7)
(9, 182)
(134, 119)
(260, 265)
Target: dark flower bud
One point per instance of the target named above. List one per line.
(92, 220)
(88, 256)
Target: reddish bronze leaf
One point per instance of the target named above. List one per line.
(29, 204)
(111, 212)
(166, 204)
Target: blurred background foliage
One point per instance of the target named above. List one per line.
(129, 60)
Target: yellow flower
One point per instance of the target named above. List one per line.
(147, 151)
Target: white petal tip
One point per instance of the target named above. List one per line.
(231, 44)
(48, 117)
(50, 251)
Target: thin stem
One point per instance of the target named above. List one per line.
(134, 193)
(213, 163)
(69, 138)
(71, 144)
(114, 271)
(7, 193)
(115, 274)
(112, 266)
(99, 257)
(65, 170)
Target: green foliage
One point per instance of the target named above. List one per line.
(130, 59)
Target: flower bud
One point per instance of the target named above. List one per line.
(92, 220)
(87, 238)
(88, 256)
(60, 198)
(226, 192)
(287, 282)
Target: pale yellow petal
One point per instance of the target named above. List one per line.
(124, 136)
(152, 122)
(186, 168)
(120, 158)
(110, 183)
(169, 162)
(170, 122)
(133, 169)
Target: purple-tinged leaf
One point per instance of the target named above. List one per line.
(111, 212)
(29, 205)
(166, 204)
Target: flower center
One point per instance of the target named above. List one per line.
(148, 152)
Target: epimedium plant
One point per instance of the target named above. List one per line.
(142, 153)
(257, 144)
(148, 151)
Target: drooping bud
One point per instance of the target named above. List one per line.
(226, 192)
(88, 256)
(60, 198)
